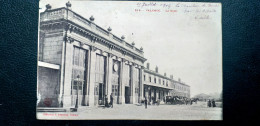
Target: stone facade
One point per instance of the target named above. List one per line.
(81, 64)
(93, 63)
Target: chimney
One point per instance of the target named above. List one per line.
(68, 5)
(148, 66)
(171, 76)
(165, 74)
(156, 69)
(48, 7)
(179, 79)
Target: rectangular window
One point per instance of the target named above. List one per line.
(100, 69)
(136, 79)
(144, 77)
(150, 79)
(126, 75)
(154, 80)
(78, 70)
(115, 90)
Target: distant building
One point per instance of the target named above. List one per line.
(180, 89)
(158, 86)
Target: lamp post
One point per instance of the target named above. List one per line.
(76, 106)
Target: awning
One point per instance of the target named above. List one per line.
(48, 65)
(158, 86)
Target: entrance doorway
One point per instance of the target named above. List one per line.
(127, 95)
(160, 96)
(101, 95)
(100, 87)
(154, 95)
(150, 95)
(78, 80)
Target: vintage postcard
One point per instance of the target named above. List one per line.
(129, 60)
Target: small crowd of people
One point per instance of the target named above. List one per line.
(211, 103)
(146, 102)
(153, 101)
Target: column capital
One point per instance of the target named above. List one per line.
(68, 39)
(110, 55)
(81, 44)
(93, 48)
(123, 59)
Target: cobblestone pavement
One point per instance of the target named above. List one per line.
(197, 111)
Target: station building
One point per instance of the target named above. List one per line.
(80, 63)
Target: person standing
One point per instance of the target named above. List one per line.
(106, 101)
(145, 102)
(111, 100)
(209, 103)
(152, 100)
(213, 103)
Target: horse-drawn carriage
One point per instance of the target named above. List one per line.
(174, 100)
(179, 100)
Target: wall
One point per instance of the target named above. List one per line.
(48, 87)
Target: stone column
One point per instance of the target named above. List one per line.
(109, 72)
(157, 94)
(146, 92)
(61, 75)
(92, 76)
(88, 77)
(141, 87)
(132, 98)
(67, 78)
(122, 80)
(121, 86)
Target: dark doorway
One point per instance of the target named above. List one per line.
(100, 87)
(160, 95)
(155, 94)
(150, 94)
(101, 94)
(127, 95)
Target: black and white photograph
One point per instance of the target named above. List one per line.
(129, 60)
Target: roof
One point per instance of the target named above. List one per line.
(162, 76)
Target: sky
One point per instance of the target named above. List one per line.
(186, 44)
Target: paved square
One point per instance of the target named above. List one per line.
(197, 111)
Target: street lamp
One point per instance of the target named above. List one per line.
(76, 106)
